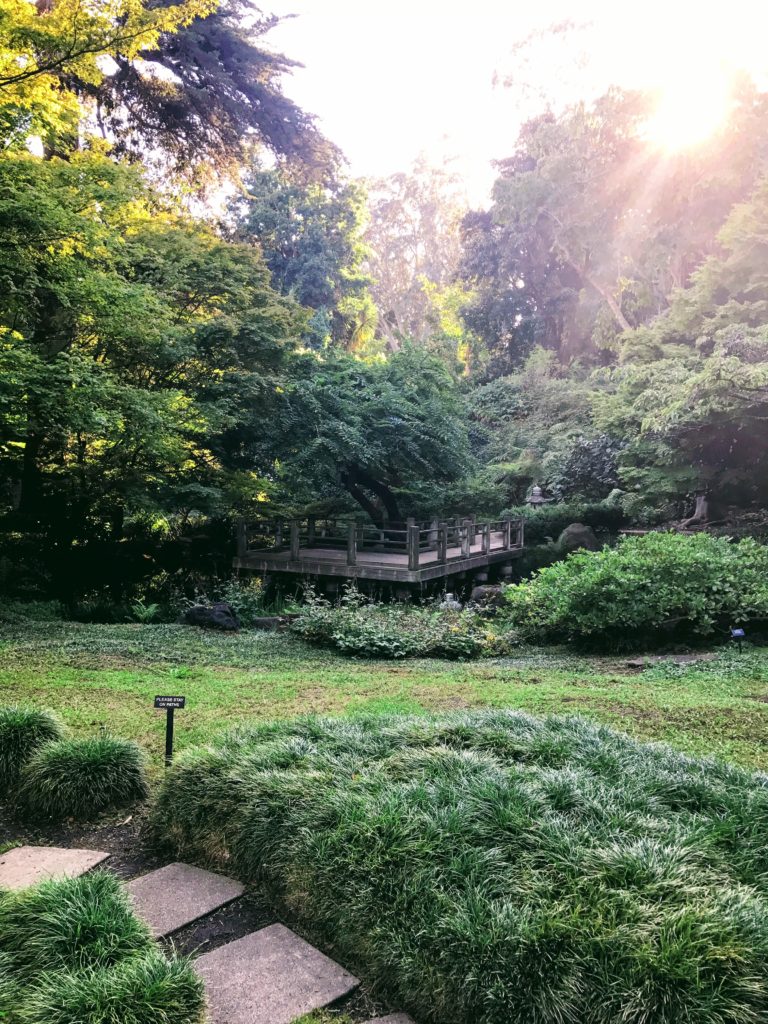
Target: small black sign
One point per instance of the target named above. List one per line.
(738, 632)
(169, 702)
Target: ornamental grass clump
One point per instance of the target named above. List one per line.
(22, 732)
(490, 867)
(657, 587)
(80, 778)
(73, 950)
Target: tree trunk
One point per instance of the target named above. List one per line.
(355, 479)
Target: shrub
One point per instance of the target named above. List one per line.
(491, 866)
(687, 585)
(400, 631)
(72, 950)
(551, 520)
(79, 778)
(22, 732)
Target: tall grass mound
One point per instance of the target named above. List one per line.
(491, 867)
(661, 585)
(80, 778)
(72, 950)
(22, 732)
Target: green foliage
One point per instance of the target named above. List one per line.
(310, 235)
(400, 631)
(491, 866)
(630, 594)
(551, 520)
(372, 431)
(143, 989)
(143, 612)
(80, 778)
(73, 949)
(23, 731)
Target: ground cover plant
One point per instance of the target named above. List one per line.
(646, 589)
(72, 950)
(373, 630)
(23, 730)
(491, 866)
(78, 778)
(97, 676)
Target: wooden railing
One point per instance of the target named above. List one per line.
(411, 541)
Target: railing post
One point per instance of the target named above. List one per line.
(520, 532)
(278, 534)
(352, 544)
(507, 534)
(442, 543)
(464, 535)
(295, 542)
(311, 523)
(485, 531)
(413, 547)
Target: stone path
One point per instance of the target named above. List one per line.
(178, 894)
(393, 1018)
(25, 865)
(270, 977)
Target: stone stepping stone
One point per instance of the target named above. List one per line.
(25, 865)
(178, 894)
(393, 1018)
(269, 977)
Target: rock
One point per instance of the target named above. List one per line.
(578, 535)
(487, 597)
(216, 616)
(269, 622)
(176, 895)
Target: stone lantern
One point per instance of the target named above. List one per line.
(536, 498)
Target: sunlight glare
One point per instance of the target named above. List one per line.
(689, 112)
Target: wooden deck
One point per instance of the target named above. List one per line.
(417, 553)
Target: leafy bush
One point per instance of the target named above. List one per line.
(400, 631)
(73, 950)
(22, 732)
(79, 778)
(31, 611)
(551, 520)
(491, 866)
(687, 585)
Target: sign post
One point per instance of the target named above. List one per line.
(169, 705)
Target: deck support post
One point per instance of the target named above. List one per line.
(311, 522)
(485, 532)
(242, 538)
(295, 542)
(352, 544)
(465, 533)
(413, 547)
(442, 543)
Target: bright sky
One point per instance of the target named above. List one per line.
(390, 81)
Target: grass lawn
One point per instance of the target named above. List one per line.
(106, 676)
